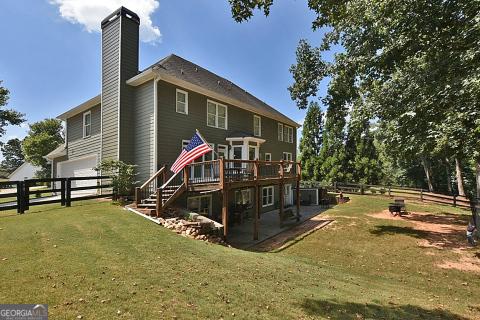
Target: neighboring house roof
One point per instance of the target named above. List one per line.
(80, 108)
(175, 69)
(60, 151)
(21, 167)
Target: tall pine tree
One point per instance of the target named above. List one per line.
(311, 141)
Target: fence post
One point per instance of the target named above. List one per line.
(454, 200)
(362, 189)
(68, 192)
(421, 194)
(20, 197)
(389, 191)
(26, 196)
(62, 192)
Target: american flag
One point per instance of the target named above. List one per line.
(196, 148)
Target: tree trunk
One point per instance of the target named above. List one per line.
(426, 167)
(459, 177)
(478, 179)
(447, 171)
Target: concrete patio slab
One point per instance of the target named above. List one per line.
(241, 236)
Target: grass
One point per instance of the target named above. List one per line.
(95, 259)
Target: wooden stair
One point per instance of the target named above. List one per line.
(158, 193)
(149, 205)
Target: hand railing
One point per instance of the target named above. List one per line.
(150, 186)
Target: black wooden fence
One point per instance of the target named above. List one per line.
(52, 190)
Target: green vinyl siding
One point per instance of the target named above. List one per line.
(77, 145)
(143, 124)
(174, 127)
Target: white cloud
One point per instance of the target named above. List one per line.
(90, 13)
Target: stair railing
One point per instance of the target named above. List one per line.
(150, 186)
(179, 182)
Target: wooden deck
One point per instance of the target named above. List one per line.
(222, 175)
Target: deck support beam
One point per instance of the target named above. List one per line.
(225, 212)
(297, 193)
(256, 212)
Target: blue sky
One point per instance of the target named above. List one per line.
(50, 61)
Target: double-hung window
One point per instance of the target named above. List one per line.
(182, 101)
(268, 157)
(267, 196)
(257, 126)
(288, 134)
(216, 115)
(287, 156)
(280, 132)
(87, 124)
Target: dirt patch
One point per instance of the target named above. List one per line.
(465, 263)
(444, 232)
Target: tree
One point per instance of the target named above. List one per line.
(311, 141)
(43, 137)
(12, 155)
(8, 116)
(417, 58)
(362, 164)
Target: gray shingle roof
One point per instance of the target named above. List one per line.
(185, 70)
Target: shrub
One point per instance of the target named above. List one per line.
(122, 174)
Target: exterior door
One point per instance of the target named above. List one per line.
(288, 196)
(252, 153)
(237, 152)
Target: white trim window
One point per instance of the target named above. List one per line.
(287, 156)
(181, 105)
(280, 132)
(267, 196)
(217, 115)
(288, 134)
(222, 151)
(257, 126)
(268, 157)
(87, 124)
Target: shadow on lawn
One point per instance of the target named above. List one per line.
(450, 239)
(447, 219)
(353, 311)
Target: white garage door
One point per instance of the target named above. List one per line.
(79, 168)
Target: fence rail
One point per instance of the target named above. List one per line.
(398, 191)
(58, 190)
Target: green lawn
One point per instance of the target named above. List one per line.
(95, 259)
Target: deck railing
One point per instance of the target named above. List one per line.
(229, 171)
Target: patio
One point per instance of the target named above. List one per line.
(240, 236)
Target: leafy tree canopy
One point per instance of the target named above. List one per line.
(12, 155)
(8, 116)
(43, 137)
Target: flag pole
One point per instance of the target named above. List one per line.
(201, 137)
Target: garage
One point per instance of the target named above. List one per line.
(83, 167)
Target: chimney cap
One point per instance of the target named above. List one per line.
(122, 11)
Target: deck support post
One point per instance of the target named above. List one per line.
(256, 212)
(281, 192)
(225, 212)
(257, 201)
(159, 204)
(299, 176)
